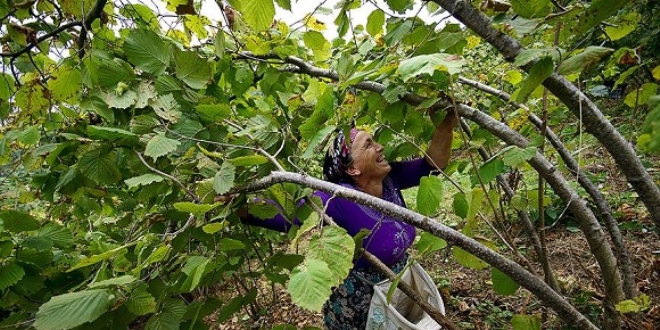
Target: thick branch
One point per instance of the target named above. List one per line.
(41, 39)
(526, 279)
(592, 118)
(92, 15)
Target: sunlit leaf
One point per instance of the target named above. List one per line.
(428, 64)
(160, 146)
(143, 180)
(468, 260)
(375, 22)
(578, 63)
(147, 51)
(429, 243)
(429, 195)
(526, 322)
(531, 8)
(258, 14)
(310, 284)
(192, 69)
(224, 179)
(70, 310)
(641, 95)
(334, 247)
(502, 283)
(537, 74)
(516, 156)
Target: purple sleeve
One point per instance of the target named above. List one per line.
(278, 222)
(407, 174)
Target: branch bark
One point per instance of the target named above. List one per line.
(592, 118)
(516, 272)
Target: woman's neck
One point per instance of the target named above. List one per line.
(371, 187)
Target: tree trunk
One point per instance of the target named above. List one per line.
(591, 117)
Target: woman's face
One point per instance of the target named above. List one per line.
(367, 156)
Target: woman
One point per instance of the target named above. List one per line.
(359, 164)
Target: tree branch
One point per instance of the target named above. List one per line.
(592, 118)
(41, 39)
(91, 16)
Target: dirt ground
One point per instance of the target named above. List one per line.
(471, 302)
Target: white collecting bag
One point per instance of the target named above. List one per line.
(402, 312)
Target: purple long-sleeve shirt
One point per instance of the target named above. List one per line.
(389, 238)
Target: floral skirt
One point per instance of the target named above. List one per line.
(349, 303)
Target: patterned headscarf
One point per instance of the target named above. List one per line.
(338, 157)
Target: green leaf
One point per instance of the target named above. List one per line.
(72, 309)
(29, 136)
(310, 284)
(59, 235)
(16, 222)
(578, 63)
(168, 317)
(319, 137)
(531, 8)
(335, 248)
(229, 244)
(100, 166)
(516, 156)
(627, 24)
(489, 171)
(397, 31)
(375, 22)
(214, 227)
(596, 13)
(468, 260)
(258, 14)
(194, 208)
(429, 195)
(526, 322)
(213, 113)
(147, 51)
(166, 107)
(224, 179)
(141, 302)
(195, 71)
(10, 274)
(65, 84)
(400, 6)
(247, 161)
(537, 74)
(314, 40)
(529, 55)
(111, 134)
(123, 280)
(641, 95)
(460, 205)
(656, 73)
(194, 268)
(30, 97)
(143, 180)
(428, 64)
(635, 305)
(503, 284)
(429, 243)
(284, 4)
(160, 146)
(219, 43)
(88, 261)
